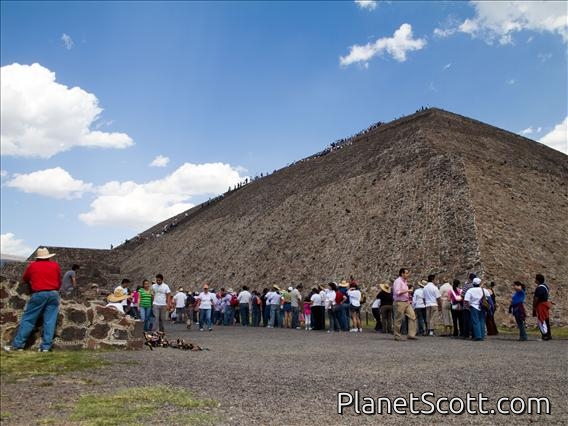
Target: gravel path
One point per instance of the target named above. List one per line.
(292, 377)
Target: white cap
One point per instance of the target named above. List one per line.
(476, 281)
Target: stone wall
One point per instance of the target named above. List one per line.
(80, 325)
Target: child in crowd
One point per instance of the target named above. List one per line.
(135, 303)
(517, 308)
(308, 313)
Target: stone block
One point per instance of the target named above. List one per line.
(73, 333)
(120, 334)
(16, 302)
(108, 314)
(100, 331)
(4, 294)
(77, 316)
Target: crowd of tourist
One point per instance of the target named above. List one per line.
(453, 310)
(460, 310)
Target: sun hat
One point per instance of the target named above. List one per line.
(276, 287)
(476, 281)
(117, 296)
(180, 289)
(385, 287)
(422, 283)
(43, 253)
(344, 284)
(230, 290)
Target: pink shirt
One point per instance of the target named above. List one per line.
(399, 285)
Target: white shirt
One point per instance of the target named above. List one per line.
(180, 299)
(445, 290)
(329, 298)
(418, 299)
(354, 297)
(431, 294)
(296, 297)
(116, 305)
(474, 295)
(316, 299)
(273, 298)
(376, 304)
(206, 300)
(160, 292)
(244, 297)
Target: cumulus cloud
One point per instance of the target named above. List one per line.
(10, 245)
(160, 161)
(140, 205)
(366, 4)
(397, 46)
(53, 183)
(67, 41)
(41, 117)
(557, 138)
(500, 20)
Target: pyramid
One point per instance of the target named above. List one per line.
(435, 192)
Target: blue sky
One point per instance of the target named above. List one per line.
(116, 115)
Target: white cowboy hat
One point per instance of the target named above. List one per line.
(43, 253)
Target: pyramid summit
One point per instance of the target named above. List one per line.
(434, 192)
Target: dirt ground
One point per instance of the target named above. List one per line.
(293, 377)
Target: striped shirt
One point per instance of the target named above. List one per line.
(145, 298)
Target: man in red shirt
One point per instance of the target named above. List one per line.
(44, 277)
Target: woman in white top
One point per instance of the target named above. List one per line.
(318, 312)
(472, 300)
(355, 307)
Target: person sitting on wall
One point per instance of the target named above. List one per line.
(115, 300)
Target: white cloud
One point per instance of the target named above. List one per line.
(397, 46)
(511, 81)
(366, 4)
(499, 20)
(67, 41)
(3, 173)
(543, 57)
(557, 138)
(10, 245)
(41, 117)
(160, 161)
(447, 66)
(140, 205)
(527, 131)
(53, 183)
(444, 32)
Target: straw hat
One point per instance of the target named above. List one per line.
(385, 287)
(276, 287)
(344, 284)
(43, 253)
(422, 283)
(117, 296)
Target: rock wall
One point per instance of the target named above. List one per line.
(80, 325)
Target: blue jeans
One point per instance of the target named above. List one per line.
(229, 316)
(421, 319)
(145, 315)
(522, 329)
(477, 323)
(274, 316)
(244, 308)
(45, 303)
(266, 315)
(255, 315)
(295, 317)
(343, 316)
(205, 318)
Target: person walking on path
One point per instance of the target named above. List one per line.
(541, 307)
(517, 308)
(44, 278)
(162, 295)
(402, 296)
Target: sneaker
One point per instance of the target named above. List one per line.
(43, 350)
(431, 333)
(329, 331)
(210, 329)
(200, 329)
(360, 330)
(353, 330)
(298, 328)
